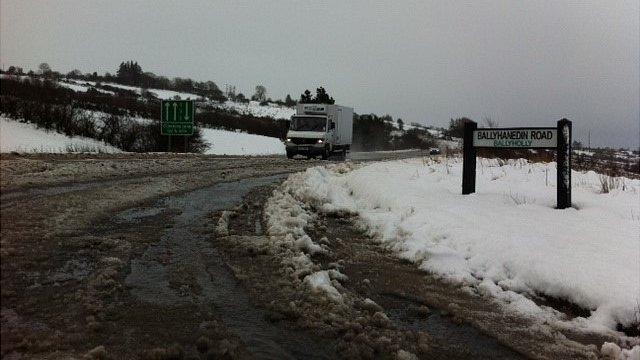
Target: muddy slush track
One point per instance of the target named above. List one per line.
(116, 256)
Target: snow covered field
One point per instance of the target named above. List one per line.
(223, 142)
(21, 137)
(506, 240)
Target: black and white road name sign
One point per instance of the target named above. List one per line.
(557, 138)
(516, 138)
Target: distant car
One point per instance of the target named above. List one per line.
(434, 151)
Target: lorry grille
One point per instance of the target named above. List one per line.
(303, 141)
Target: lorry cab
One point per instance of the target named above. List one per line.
(319, 129)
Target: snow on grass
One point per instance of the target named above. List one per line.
(170, 94)
(223, 142)
(583, 152)
(78, 85)
(505, 240)
(254, 108)
(23, 137)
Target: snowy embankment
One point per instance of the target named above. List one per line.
(223, 142)
(23, 137)
(507, 240)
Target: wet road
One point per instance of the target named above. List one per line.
(143, 227)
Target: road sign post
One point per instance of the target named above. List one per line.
(468, 158)
(564, 164)
(557, 138)
(176, 118)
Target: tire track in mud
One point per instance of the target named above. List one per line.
(184, 269)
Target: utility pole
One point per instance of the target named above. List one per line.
(589, 147)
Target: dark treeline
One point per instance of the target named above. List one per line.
(48, 91)
(322, 97)
(373, 133)
(130, 73)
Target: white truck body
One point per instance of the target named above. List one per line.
(320, 129)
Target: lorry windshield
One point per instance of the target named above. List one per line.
(308, 123)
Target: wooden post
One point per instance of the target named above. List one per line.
(468, 159)
(186, 143)
(564, 164)
(169, 146)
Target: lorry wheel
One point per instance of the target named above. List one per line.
(290, 155)
(325, 154)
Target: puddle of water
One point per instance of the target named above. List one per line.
(187, 258)
(441, 328)
(137, 214)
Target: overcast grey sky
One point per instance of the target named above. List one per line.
(523, 63)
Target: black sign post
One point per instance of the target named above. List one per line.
(468, 159)
(563, 155)
(558, 138)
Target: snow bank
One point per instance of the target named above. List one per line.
(506, 239)
(23, 137)
(287, 214)
(614, 352)
(223, 142)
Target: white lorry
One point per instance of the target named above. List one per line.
(320, 129)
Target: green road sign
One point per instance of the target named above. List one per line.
(176, 117)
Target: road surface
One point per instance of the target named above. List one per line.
(117, 256)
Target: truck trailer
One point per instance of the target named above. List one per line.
(320, 130)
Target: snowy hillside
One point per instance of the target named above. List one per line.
(84, 85)
(21, 137)
(222, 142)
(507, 240)
(254, 108)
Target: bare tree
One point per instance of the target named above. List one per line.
(261, 93)
(230, 91)
(490, 122)
(44, 68)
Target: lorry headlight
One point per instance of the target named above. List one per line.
(320, 141)
(288, 140)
